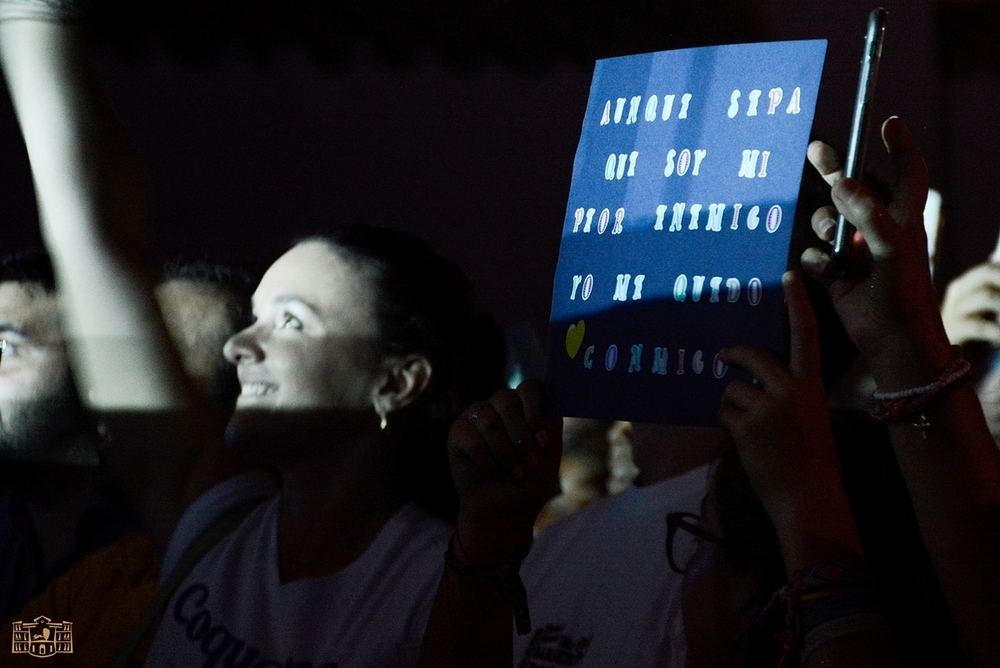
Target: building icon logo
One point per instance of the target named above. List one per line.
(42, 638)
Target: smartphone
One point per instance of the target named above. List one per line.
(855, 164)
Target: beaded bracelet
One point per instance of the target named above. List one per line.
(502, 581)
(822, 603)
(907, 404)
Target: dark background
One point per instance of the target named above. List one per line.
(261, 122)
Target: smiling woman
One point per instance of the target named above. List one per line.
(311, 344)
(354, 367)
(376, 331)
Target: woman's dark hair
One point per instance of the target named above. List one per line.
(751, 543)
(426, 305)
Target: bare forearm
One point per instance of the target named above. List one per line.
(952, 470)
(91, 187)
(954, 482)
(92, 196)
(92, 205)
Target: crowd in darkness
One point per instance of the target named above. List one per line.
(321, 464)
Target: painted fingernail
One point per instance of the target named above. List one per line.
(474, 415)
(543, 439)
(531, 461)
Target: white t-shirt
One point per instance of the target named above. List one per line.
(600, 591)
(232, 610)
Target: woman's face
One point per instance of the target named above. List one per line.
(313, 343)
(718, 601)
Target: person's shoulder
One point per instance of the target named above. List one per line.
(212, 504)
(680, 491)
(633, 511)
(419, 528)
(574, 533)
(634, 502)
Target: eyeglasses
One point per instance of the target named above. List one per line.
(692, 524)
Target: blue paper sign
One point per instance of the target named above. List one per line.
(677, 228)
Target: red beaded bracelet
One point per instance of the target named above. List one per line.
(906, 404)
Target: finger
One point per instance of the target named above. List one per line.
(908, 169)
(816, 263)
(983, 302)
(490, 426)
(731, 417)
(826, 161)
(740, 396)
(532, 395)
(824, 223)
(803, 358)
(509, 407)
(465, 441)
(980, 276)
(762, 365)
(867, 213)
(547, 430)
(980, 330)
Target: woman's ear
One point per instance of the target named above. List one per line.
(404, 380)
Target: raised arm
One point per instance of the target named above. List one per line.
(505, 462)
(92, 206)
(947, 456)
(782, 431)
(92, 200)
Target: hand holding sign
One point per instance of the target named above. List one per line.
(783, 434)
(677, 228)
(504, 457)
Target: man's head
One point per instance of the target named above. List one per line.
(203, 304)
(42, 420)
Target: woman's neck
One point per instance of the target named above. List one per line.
(331, 510)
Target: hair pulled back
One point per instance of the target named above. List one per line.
(424, 304)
